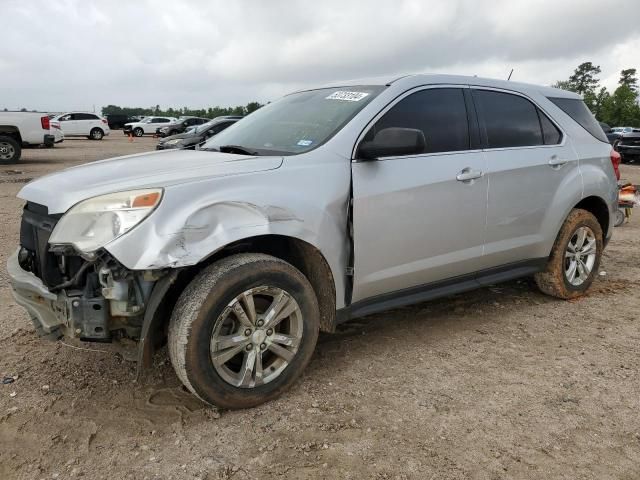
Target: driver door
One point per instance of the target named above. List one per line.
(420, 218)
(69, 124)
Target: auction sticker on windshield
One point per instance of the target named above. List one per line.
(347, 96)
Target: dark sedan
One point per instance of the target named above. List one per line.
(628, 146)
(189, 140)
(180, 126)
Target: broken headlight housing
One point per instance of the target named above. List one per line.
(92, 223)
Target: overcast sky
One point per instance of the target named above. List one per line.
(73, 54)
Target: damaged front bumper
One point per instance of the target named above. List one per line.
(55, 315)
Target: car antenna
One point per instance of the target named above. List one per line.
(510, 73)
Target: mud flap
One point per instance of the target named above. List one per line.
(147, 343)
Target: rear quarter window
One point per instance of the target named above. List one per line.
(579, 112)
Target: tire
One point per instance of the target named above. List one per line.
(138, 132)
(10, 150)
(206, 311)
(96, 134)
(556, 279)
(619, 217)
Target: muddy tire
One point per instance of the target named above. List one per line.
(243, 330)
(575, 257)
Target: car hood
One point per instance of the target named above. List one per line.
(61, 190)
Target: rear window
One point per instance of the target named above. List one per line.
(577, 110)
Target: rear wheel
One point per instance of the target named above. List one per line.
(575, 257)
(10, 150)
(96, 134)
(243, 330)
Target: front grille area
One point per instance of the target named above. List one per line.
(632, 141)
(35, 230)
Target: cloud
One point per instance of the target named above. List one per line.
(74, 54)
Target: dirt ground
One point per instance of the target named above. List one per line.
(500, 383)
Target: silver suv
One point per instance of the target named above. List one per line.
(325, 205)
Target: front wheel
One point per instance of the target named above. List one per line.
(243, 330)
(575, 257)
(138, 132)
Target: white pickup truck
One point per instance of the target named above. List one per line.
(18, 129)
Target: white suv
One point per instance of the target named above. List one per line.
(148, 125)
(80, 124)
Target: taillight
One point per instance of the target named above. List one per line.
(44, 121)
(615, 161)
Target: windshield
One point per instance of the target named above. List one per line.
(296, 123)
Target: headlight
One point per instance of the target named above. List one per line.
(175, 141)
(93, 223)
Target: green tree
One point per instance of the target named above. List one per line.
(600, 100)
(252, 107)
(584, 81)
(584, 78)
(621, 108)
(628, 78)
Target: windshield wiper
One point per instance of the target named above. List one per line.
(236, 149)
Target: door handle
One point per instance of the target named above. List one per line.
(555, 161)
(467, 174)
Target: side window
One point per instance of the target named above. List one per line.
(550, 133)
(85, 116)
(66, 117)
(160, 120)
(509, 120)
(440, 113)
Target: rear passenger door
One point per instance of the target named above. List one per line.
(528, 158)
(85, 122)
(420, 218)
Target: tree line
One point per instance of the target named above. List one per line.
(210, 112)
(619, 108)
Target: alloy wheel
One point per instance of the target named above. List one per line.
(580, 256)
(256, 337)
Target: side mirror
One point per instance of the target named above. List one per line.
(393, 142)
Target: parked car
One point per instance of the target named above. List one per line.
(117, 121)
(629, 146)
(82, 124)
(612, 135)
(197, 135)
(147, 126)
(325, 205)
(21, 129)
(56, 130)
(180, 126)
